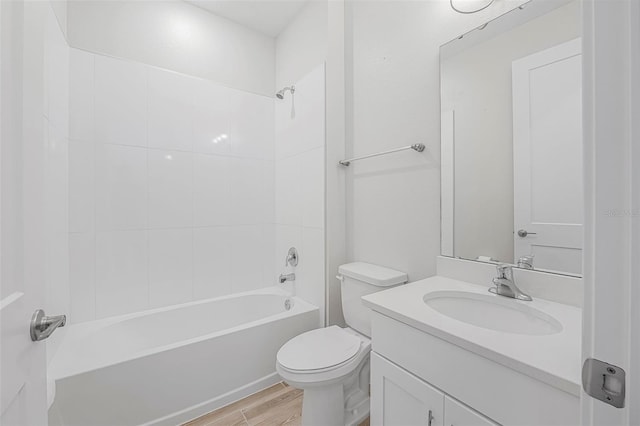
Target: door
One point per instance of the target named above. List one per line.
(398, 398)
(23, 399)
(457, 414)
(547, 144)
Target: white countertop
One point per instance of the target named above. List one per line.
(553, 359)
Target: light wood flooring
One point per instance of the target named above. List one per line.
(279, 404)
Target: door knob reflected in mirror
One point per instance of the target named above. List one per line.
(42, 326)
(523, 233)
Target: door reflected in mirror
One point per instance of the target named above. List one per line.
(511, 105)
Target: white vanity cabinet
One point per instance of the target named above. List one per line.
(398, 398)
(458, 414)
(414, 373)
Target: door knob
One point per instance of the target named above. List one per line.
(523, 233)
(42, 326)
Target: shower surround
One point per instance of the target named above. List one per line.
(171, 188)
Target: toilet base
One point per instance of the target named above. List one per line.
(323, 406)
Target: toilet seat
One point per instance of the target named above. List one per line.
(319, 350)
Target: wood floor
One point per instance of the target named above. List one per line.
(278, 405)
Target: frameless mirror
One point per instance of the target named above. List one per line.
(511, 139)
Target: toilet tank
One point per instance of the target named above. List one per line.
(359, 279)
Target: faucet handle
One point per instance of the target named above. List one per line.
(292, 257)
(503, 270)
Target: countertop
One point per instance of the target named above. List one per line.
(554, 358)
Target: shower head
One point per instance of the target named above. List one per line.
(280, 94)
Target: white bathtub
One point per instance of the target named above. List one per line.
(169, 365)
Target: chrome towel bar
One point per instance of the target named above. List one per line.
(419, 147)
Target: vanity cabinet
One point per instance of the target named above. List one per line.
(398, 398)
(458, 414)
(414, 373)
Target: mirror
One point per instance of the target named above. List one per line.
(511, 139)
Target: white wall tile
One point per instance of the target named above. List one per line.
(121, 187)
(306, 130)
(170, 266)
(170, 110)
(269, 270)
(247, 251)
(312, 187)
(286, 144)
(121, 272)
(211, 119)
(309, 125)
(170, 189)
(212, 262)
(310, 270)
(269, 191)
(81, 95)
(81, 186)
(57, 76)
(251, 126)
(288, 191)
(120, 102)
(247, 186)
(82, 277)
(212, 195)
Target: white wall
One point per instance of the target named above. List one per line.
(480, 92)
(299, 177)
(171, 188)
(177, 36)
(302, 45)
(393, 209)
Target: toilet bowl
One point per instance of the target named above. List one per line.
(331, 364)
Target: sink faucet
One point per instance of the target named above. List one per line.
(505, 284)
(526, 262)
(287, 277)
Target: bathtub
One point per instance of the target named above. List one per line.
(167, 366)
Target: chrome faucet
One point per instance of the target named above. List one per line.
(292, 257)
(526, 262)
(505, 285)
(287, 277)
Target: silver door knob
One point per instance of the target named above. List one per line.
(43, 326)
(523, 233)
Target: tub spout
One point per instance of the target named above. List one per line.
(287, 277)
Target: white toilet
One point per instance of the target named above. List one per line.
(331, 364)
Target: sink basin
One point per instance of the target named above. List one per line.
(492, 312)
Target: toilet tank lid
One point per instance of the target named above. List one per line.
(373, 274)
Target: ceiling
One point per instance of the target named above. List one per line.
(268, 17)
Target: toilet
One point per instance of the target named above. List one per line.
(331, 364)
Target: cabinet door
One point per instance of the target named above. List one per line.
(398, 398)
(457, 414)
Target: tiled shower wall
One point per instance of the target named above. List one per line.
(171, 188)
(300, 172)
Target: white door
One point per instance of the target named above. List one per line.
(547, 157)
(398, 398)
(23, 399)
